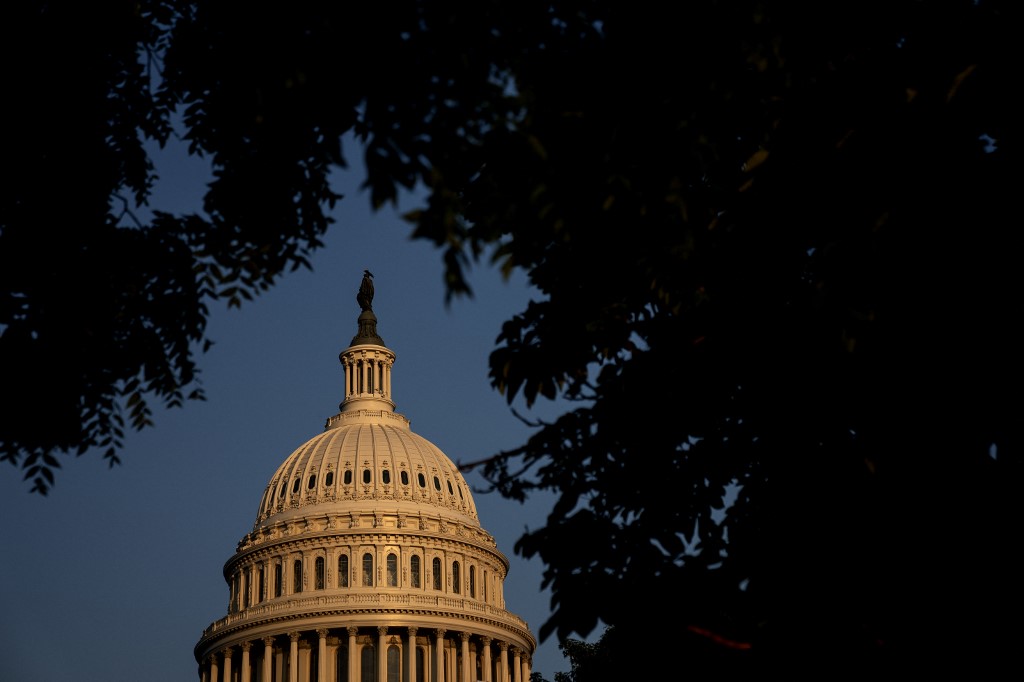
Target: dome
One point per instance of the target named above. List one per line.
(367, 460)
(367, 560)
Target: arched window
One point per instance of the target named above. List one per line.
(261, 587)
(367, 570)
(312, 482)
(436, 564)
(421, 664)
(368, 664)
(295, 486)
(245, 589)
(343, 570)
(392, 570)
(394, 664)
(437, 483)
(278, 580)
(348, 477)
(472, 582)
(319, 572)
(455, 577)
(297, 576)
(421, 480)
(385, 477)
(329, 481)
(404, 475)
(414, 570)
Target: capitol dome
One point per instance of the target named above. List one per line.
(367, 561)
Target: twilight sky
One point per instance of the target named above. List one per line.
(115, 574)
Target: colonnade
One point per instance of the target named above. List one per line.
(368, 654)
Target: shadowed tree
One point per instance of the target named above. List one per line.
(776, 254)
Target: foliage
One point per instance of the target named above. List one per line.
(773, 244)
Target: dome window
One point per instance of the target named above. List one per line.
(450, 491)
(455, 577)
(367, 476)
(422, 480)
(436, 563)
(460, 493)
(348, 477)
(297, 576)
(343, 570)
(392, 572)
(385, 476)
(367, 570)
(414, 570)
(281, 494)
(329, 481)
(319, 573)
(295, 486)
(405, 477)
(312, 482)
(437, 483)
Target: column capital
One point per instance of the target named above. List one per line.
(464, 636)
(412, 632)
(440, 632)
(268, 641)
(485, 640)
(352, 630)
(382, 630)
(322, 632)
(226, 651)
(246, 645)
(503, 645)
(293, 636)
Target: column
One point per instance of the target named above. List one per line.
(526, 669)
(227, 665)
(485, 642)
(353, 659)
(503, 662)
(382, 653)
(213, 668)
(411, 649)
(293, 657)
(245, 661)
(464, 636)
(268, 659)
(516, 671)
(439, 656)
(321, 655)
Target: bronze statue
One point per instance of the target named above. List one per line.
(365, 296)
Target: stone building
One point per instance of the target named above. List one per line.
(367, 561)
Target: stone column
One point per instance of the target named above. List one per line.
(293, 657)
(464, 636)
(268, 659)
(516, 671)
(382, 653)
(503, 662)
(214, 671)
(526, 669)
(227, 665)
(245, 661)
(485, 642)
(321, 655)
(439, 656)
(411, 677)
(353, 660)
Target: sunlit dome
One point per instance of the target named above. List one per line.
(367, 560)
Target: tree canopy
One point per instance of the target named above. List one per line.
(775, 245)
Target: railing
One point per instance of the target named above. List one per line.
(312, 604)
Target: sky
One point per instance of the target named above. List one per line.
(115, 573)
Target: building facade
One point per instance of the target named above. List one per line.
(367, 561)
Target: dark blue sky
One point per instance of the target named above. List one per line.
(115, 574)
